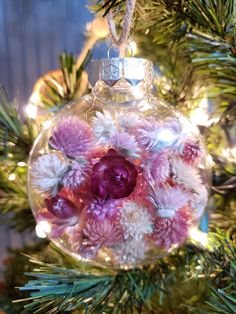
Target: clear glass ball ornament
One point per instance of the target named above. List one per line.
(118, 178)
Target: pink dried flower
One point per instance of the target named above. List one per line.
(72, 136)
(168, 200)
(125, 143)
(191, 152)
(100, 209)
(169, 232)
(103, 233)
(77, 175)
(157, 167)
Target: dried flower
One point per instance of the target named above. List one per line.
(77, 175)
(103, 233)
(168, 200)
(103, 126)
(47, 172)
(135, 220)
(125, 144)
(153, 136)
(72, 136)
(157, 167)
(113, 176)
(168, 232)
(191, 152)
(128, 121)
(132, 251)
(100, 209)
(186, 175)
(60, 207)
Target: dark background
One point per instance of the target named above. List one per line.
(32, 35)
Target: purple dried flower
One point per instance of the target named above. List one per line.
(77, 176)
(72, 136)
(100, 209)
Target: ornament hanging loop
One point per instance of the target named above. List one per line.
(123, 37)
(124, 48)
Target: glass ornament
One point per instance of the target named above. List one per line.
(118, 178)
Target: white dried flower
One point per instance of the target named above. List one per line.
(135, 220)
(167, 200)
(132, 251)
(186, 175)
(128, 120)
(47, 171)
(103, 126)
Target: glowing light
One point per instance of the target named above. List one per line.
(12, 177)
(107, 259)
(210, 160)
(199, 236)
(42, 228)
(200, 115)
(166, 136)
(229, 154)
(133, 47)
(21, 164)
(46, 123)
(34, 98)
(31, 111)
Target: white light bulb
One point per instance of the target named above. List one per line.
(21, 164)
(12, 177)
(199, 236)
(42, 228)
(31, 111)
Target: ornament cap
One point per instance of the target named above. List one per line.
(131, 70)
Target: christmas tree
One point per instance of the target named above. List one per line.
(192, 45)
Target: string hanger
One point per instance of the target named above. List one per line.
(120, 40)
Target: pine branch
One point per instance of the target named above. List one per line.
(63, 86)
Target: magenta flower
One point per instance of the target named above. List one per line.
(168, 232)
(191, 152)
(157, 167)
(60, 207)
(103, 233)
(100, 209)
(72, 136)
(113, 176)
(76, 176)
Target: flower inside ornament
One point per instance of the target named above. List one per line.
(119, 178)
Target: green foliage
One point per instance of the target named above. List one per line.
(190, 280)
(63, 86)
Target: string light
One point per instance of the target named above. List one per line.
(42, 228)
(229, 154)
(31, 111)
(199, 237)
(12, 177)
(21, 164)
(200, 116)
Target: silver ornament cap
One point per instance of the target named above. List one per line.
(131, 70)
